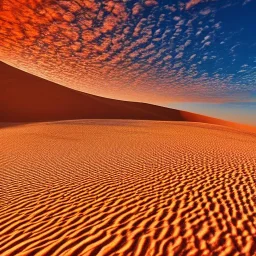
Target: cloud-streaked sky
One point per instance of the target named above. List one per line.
(143, 50)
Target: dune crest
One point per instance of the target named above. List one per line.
(27, 98)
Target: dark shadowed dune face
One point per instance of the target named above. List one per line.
(27, 98)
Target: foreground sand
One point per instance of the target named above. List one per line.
(127, 188)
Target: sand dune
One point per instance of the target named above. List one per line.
(27, 98)
(111, 187)
(119, 187)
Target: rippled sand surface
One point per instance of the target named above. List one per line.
(127, 188)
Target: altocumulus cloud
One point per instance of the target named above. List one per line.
(134, 50)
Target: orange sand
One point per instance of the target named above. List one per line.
(102, 187)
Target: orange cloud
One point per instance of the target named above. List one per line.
(137, 8)
(150, 2)
(192, 3)
(107, 49)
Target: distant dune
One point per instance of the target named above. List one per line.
(27, 98)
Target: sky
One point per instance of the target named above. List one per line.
(197, 55)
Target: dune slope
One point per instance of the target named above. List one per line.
(111, 187)
(27, 98)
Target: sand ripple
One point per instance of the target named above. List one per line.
(127, 188)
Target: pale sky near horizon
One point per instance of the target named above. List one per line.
(236, 112)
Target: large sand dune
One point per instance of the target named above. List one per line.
(27, 98)
(111, 187)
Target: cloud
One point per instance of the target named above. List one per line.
(205, 11)
(246, 2)
(179, 55)
(192, 3)
(176, 18)
(187, 43)
(192, 57)
(137, 8)
(150, 3)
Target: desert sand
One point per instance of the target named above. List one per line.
(122, 187)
